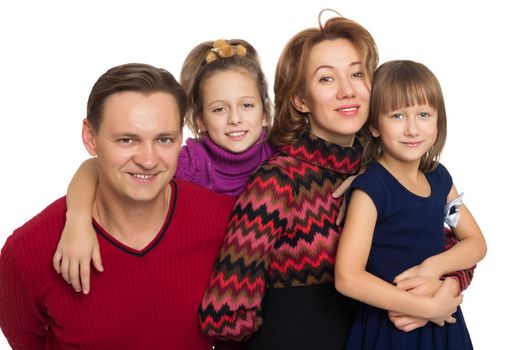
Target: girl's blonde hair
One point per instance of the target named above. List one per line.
(210, 57)
(290, 75)
(399, 84)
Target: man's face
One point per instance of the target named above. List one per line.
(137, 145)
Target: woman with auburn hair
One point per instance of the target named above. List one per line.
(273, 282)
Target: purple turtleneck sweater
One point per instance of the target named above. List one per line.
(203, 162)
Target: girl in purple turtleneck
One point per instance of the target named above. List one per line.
(228, 112)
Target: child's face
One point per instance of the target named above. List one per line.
(407, 133)
(232, 110)
(337, 93)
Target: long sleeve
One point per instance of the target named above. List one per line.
(22, 321)
(464, 277)
(231, 307)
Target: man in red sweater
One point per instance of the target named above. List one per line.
(158, 237)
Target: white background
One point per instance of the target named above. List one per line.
(53, 51)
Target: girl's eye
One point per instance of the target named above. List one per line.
(357, 75)
(424, 115)
(247, 105)
(218, 109)
(397, 116)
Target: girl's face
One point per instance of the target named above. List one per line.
(232, 111)
(407, 133)
(337, 92)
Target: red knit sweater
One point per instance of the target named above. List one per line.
(144, 299)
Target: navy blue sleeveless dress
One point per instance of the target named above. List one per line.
(409, 229)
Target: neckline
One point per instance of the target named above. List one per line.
(154, 242)
(391, 176)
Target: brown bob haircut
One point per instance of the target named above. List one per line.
(135, 77)
(290, 74)
(399, 84)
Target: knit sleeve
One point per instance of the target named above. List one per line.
(22, 321)
(231, 307)
(192, 163)
(464, 277)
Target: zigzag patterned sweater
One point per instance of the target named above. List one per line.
(282, 234)
(277, 259)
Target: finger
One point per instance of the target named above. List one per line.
(56, 260)
(408, 284)
(84, 275)
(411, 326)
(74, 276)
(341, 215)
(343, 187)
(64, 269)
(451, 320)
(394, 314)
(97, 259)
(403, 276)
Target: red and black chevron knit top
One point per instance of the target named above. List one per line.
(277, 259)
(282, 234)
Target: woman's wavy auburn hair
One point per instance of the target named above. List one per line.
(290, 74)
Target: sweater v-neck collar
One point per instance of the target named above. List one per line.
(155, 241)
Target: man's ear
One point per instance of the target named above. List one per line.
(88, 137)
(300, 104)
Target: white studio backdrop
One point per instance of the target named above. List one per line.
(53, 51)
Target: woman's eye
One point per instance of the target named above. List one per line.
(326, 79)
(357, 75)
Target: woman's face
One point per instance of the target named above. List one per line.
(337, 92)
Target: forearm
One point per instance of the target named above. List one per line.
(372, 290)
(231, 307)
(81, 191)
(461, 256)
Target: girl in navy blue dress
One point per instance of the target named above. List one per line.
(397, 209)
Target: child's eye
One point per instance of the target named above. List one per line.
(218, 109)
(247, 105)
(397, 116)
(424, 115)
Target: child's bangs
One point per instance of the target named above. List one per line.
(406, 91)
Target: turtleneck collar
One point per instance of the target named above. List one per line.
(312, 149)
(230, 163)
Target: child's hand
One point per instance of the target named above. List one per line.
(425, 269)
(445, 302)
(77, 247)
(419, 285)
